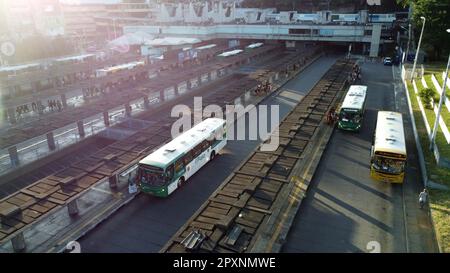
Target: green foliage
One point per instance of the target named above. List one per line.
(426, 95)
(437, 13)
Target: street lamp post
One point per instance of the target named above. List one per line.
(409, 40)
(441, 101)
(418, 48)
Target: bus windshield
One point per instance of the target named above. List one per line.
(152, 177)
(350, 116)
(388, 165)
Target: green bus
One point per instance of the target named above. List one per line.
(351, 113)
(168, 168)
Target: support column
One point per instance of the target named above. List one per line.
(12, 116)
(128, 110)
(188, 85)
(18, 243)
(40, 107)
(113, 182)
(13, 156)
(72, 207)
(34, 87)
(51, 141)
(375, 40)
(81, 128)
(12, 91)
(64, 100)
(146, 102)
(106, 118)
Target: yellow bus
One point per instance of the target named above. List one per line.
(388, 155)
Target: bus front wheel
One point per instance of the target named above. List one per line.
(180, 182)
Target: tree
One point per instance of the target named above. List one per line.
(435, 39)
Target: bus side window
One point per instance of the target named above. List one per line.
(179, 165)
(205, 145)
(197, 150)
(169, 172)
(187, 158)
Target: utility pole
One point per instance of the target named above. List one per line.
(418, 48)
(441, 101)
(409, 40)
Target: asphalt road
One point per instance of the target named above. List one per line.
(147, 223)
(345, 210)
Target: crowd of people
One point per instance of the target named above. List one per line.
(54, 105)
(263, 88)
(355, 74)
(22, 109)
(94, 91)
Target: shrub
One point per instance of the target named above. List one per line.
(426, 95)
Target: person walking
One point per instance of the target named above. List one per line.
(423, 197)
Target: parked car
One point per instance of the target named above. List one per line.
(387, 61)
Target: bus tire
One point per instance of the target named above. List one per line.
(213, 154)
(180, 182)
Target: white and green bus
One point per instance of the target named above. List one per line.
(351, 113)
(167, 168)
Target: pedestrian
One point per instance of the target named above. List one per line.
(59, 105)
(132, 187)
(334, 116)
(423, 197)
(33, 106)
(330, 116)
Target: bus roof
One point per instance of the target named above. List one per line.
(182, 143)
(389, 135)
(356, 95)
(230, 53)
